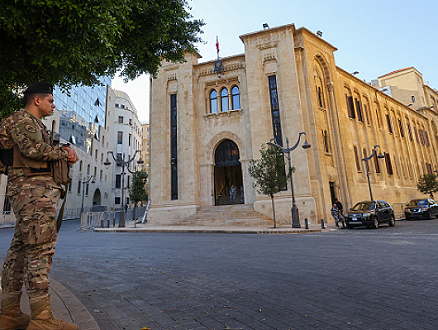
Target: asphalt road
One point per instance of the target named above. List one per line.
(342, 279)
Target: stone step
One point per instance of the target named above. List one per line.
(227, 215)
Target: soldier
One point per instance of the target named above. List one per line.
(34, 196)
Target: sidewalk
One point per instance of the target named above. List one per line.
(147, 228)
(65, 306)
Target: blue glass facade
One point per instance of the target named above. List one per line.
(82, 112)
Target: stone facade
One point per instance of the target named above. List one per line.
(287, 82)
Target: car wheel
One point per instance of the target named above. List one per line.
(349, 226)
(375, 223)
(392, 221)
(429, 215)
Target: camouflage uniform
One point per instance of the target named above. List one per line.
(34, 197)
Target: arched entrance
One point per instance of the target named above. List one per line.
(228, 183)
(97, 197)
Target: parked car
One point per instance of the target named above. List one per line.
(370, 214)
(425, 208)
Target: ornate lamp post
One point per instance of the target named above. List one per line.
(366, 159)
(121, 162)
(287, 151)
(91, 178)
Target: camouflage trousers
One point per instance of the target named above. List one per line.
(34, 204)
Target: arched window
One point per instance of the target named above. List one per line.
(235, 97)
(224, 99)
(213, 101)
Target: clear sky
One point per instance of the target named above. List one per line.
(372, 37)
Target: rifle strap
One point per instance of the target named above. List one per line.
(61, 211)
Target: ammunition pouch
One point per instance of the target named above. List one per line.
(61, 171)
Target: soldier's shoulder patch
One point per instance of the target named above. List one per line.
(30, 128)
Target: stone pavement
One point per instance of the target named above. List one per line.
(67, 307)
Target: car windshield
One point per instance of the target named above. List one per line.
(364, 206)
(416, 202)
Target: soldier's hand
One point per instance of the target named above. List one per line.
(72, 157)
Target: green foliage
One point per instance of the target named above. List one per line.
(268, 171)
(427, 184)
(10, 102)
(137, 192)
(74, 42)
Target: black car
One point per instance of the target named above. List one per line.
(425, 208)
(370, 214)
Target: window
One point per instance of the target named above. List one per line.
(356, 157)
(120, 120)
(213, 101)
(224, 99)
(388, 120)
(401, 128)
(320, 97)
(378, 118)
(416, 135)
(409, 131)
(118, 180)
(388, 163)
(350, 106)
(79, 186)
(235, 97)
(129, 139)
(130, 121)
(376, 163)
(367, 113)
(119, 137)
(117, 200)
(359, 110)
(413, 99)
(326, 141)
(366, 162)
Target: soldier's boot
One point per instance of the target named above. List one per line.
(43, 319)
(11, 317)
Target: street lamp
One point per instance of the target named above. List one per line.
(366, 159)
(121, 162)
(287, 151)
(91, 178)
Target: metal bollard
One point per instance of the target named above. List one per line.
(322, 223)
(101, 223)
(306, 223)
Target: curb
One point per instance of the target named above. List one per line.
(76, 310)
(215, 230)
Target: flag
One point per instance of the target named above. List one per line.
(217, 46)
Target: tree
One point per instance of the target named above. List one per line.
(137, 192)
(268, 172)
(427, 184)
(74, 42)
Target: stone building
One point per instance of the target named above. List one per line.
(209, 120)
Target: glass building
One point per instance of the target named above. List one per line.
(82, 113)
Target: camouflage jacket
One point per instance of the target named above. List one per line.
(28, 137)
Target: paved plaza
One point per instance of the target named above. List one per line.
(336, 279)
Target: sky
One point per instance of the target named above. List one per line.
(372, 37)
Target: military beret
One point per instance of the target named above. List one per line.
(39, 87)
